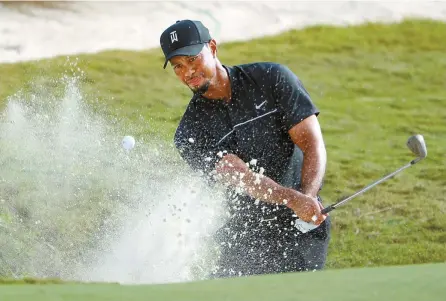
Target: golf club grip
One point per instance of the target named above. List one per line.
(328, 209)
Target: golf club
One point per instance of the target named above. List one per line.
(417, 146)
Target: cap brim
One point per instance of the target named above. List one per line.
(187, 50)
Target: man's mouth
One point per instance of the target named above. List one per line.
(194, 81)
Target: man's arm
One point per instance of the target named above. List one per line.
(233, 171)
(300, 119)
(307, 136)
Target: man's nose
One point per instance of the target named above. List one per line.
(190, 71)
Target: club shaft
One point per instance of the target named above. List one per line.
(334, 206)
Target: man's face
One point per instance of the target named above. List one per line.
(196, 71)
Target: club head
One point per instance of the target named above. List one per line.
(417, 146)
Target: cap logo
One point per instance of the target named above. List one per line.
(173, 36)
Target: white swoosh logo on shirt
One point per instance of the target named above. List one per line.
(260, 105)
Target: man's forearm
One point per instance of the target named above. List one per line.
(313, 170)
(233, 171)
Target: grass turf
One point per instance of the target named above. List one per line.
(376, 84)
(416, 282)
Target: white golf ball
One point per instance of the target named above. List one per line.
(128, 142)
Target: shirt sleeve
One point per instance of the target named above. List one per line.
(293, 100)
(196, 148)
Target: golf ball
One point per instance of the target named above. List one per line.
(128, 142)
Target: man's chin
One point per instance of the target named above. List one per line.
(200, 89)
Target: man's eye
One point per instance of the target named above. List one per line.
(192, 59)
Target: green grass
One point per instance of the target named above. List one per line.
(407, 283)
(375, 84)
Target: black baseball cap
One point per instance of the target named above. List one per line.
(185, 37)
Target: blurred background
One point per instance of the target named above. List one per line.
(40, 29)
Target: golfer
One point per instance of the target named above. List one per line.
(252, 127)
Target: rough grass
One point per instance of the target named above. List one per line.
(376, 85)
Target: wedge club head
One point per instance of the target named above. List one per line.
(417, 146)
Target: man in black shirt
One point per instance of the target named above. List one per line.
(254, 128)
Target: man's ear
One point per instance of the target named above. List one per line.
(213, 47)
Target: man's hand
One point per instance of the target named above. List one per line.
(306, 207)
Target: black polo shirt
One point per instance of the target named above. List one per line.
(267, 100)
